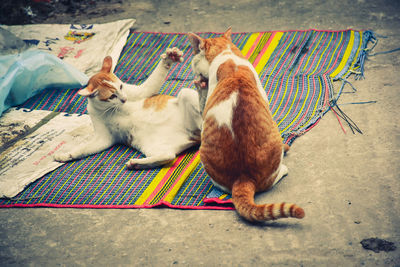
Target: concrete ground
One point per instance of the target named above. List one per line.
(348, 184)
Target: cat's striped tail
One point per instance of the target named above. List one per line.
(243, 199)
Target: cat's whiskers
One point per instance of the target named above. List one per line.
(115, 108)
(110, 110)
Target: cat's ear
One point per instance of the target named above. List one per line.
(228, 34)
(107, 64)
(196, 41)
(87, 92)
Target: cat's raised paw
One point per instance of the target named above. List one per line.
(171, 56)
(62, 157)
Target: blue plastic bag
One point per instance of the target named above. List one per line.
(26, 74)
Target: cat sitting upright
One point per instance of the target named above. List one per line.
(160, 126)
(241, 147)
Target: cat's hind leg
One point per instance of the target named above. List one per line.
(188, 102)
(283, 171)
(150, 162)
(160, 155)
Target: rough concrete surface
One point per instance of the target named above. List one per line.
(348, 184)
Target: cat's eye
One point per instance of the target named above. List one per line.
(120, 87)
(113, 96)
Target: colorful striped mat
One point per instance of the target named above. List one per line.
(297, 70)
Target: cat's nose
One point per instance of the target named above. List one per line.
(123, 100)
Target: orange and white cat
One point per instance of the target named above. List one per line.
(241, 147)
(160, 126)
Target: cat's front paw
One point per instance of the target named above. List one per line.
(63, 157)
(133, 164)
(201, 83)
(171, 56)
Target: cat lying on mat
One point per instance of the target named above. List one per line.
(241, 147)
(160, 126)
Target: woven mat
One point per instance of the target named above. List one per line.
(297, 70)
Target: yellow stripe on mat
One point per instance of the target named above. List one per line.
(346, 56)
(171, 195)
(356, 56)
(271, 47)
(249, 44)
(223, 196)
(152, 186)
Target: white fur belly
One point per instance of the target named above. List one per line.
(159, 129)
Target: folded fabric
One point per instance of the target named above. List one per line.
(38, 134)
(82, 45)
(23, 75)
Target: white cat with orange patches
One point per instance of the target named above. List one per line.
(241, 147)
(160, 126)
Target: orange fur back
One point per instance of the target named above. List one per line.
(245, 157)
